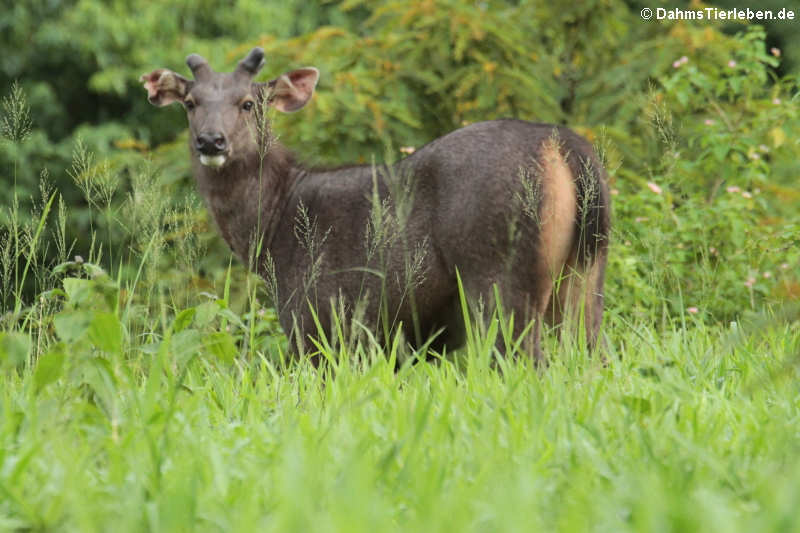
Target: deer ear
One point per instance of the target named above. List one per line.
(165, 87)
(293, 90)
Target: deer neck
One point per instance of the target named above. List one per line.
(247, 197)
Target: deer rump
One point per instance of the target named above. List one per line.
(516, 210)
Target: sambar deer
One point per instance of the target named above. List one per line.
(517, 209)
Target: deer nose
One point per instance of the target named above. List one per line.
(211, 143)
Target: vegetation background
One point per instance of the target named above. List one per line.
(142, 374)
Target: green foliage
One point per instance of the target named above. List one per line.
(712, 222)
(416, 70)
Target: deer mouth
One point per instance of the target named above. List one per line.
(215, 161)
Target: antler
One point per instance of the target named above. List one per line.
(199, 66)
(251, 64)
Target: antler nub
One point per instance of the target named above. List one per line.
(199, 66)
(251, 64)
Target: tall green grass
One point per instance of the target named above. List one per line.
(691, 429)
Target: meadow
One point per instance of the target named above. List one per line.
(145, 384)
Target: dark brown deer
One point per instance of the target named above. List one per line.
(515, 205)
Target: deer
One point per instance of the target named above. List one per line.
(504, 213)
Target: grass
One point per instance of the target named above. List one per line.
(690, 429)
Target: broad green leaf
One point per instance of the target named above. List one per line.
(71, 325)
(183, 319)
(205, 313)
(14, 348)
(720, 151)
(106, 333)
(232, 317)
(49, 367)
(77, 289)
(222, 345)
(186, 344)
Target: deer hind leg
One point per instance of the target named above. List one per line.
(517, 301)
(528, 312)
(594, 299)
(577, 299)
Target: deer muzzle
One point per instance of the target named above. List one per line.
(212, 147)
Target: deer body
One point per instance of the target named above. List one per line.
(506, 203)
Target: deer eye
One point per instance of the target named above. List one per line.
(248, 105)
(189, 104)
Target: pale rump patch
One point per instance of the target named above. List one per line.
(558, 210)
